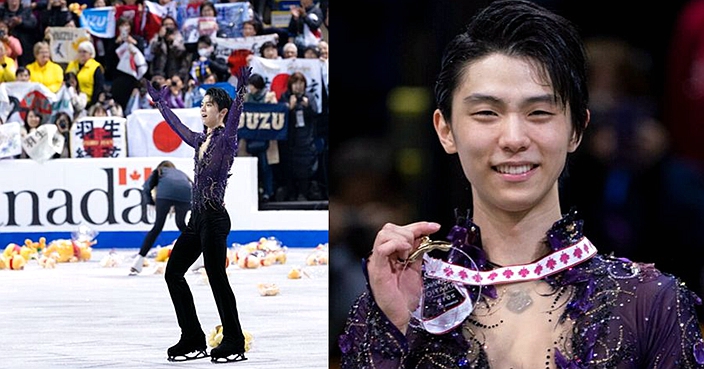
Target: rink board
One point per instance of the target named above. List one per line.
(55, 198)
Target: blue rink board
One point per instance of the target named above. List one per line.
(109, 240)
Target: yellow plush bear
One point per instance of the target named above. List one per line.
(215, 337)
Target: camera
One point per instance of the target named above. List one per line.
(174, 84)
(2, 33)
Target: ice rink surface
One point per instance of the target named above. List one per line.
(85, 315)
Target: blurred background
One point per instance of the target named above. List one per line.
(636, 179)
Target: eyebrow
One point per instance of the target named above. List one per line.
(479, 98)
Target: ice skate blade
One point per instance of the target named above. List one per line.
(189, 356)
(133, 272)
(228, 359)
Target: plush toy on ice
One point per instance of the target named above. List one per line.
(265, 252)
(215, 337)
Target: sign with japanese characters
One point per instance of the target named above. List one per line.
(98, 137)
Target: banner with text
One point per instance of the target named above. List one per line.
(98, 137)
(263, 122)
(277, 71)
(99, 22)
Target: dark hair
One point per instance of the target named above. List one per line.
(124, 20)
(520, 28)
(22, 70)
(207, 4)
(205, 39)
(266, 45)
(257, 81)
(221, 98)
(296, 77)
(164, 164)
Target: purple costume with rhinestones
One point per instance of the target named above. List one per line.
(212, 171)
(616, 306)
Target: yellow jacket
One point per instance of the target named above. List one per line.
(50, 75)
(7, 70)
(85, 75)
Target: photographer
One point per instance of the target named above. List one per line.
(167, 50)
(176, 94)
(78, 98)
(298, 156)
(63, 124)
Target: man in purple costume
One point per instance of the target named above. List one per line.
(209, 224)
(529, 290)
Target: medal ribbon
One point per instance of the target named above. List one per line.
(553, 263)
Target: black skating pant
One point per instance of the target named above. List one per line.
(163, 207)
(206, 232)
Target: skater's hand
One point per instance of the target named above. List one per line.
(397, 285)
(155, 94)
(243, 78)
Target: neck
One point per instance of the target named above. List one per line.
(515, 238)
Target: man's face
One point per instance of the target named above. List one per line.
(211, 115)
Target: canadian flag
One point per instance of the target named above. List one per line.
(148, 135)
(132, 176)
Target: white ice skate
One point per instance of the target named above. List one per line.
(137, 265)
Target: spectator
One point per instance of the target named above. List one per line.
(22, 74)
(323, 47)
(196, 92)
(31, 121)
(112, 108)
(63, 124)
(23, 25)
(167, 50)
(8, 68)
(290, 50)
(88, 71)
(13, 47)
(311, 52)
(123, 83)
(78, 98)
(206, 62)
(45, 71)
(56, 14)
(249, 28)
(298, 152)
(267, 152)
(175, 98)
(268, 50)
(139, 100)
(304, 26)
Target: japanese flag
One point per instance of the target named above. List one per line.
(149, 135)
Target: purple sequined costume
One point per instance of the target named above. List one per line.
(212, 171)
(625, 314)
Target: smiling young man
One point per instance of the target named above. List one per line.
(529, 290)
(209, 224)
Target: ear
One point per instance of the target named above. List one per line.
(223, 112)
(575, 141)
(444, 131)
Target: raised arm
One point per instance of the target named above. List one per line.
(233, 117)
(159, 98)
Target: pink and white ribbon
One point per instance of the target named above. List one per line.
(548, 265)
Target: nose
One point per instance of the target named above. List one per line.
(514, 134)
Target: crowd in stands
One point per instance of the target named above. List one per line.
(291, 169)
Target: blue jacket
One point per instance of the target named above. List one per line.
(173, 184)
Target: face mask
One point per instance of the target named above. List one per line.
(205, 52)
